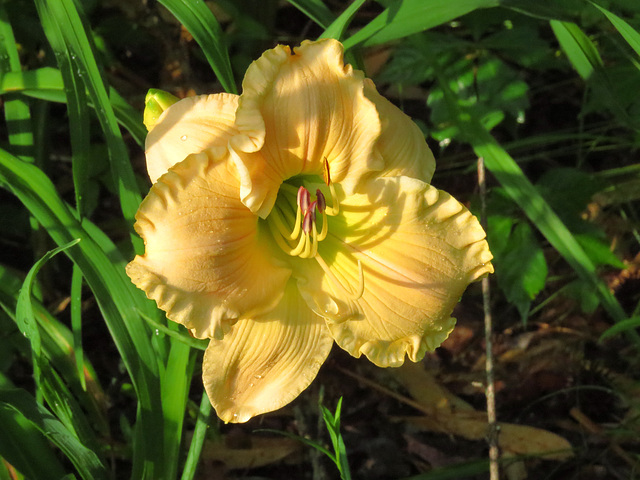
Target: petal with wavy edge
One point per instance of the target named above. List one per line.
(298, 110)
(191, 125)
(419, 249)
(264, 363)
(205, 263)
(401, 142)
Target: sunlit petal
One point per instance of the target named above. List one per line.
(300, 109)
(205, 263)
(419, 249)
(190, 126)
(265, 362)
(401, 143)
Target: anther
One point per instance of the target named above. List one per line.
(322, 202)
(309, 218)
(303, 199)
(326, 176)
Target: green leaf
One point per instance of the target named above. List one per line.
(627, 31)
(521, 269)
(24, 405)
(585, 58)
(197, 441)
(68, 37)
(316, 10)
(339, 25)
(621, 327)
(406, 17)
(25, 317)
(116, 296)
(202, 24)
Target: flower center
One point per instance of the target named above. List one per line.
(295, 228)
(298, 223)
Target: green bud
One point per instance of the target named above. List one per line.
(156, 102)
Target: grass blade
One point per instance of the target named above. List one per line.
(202, 24)
(316, 10)
(406, 17)
(46, 84)
(82, 458)
(25, 317)
(16, 111)
(197, 441)
(585, 58)
(627, 31)
(76, 323)
(66, 33)
(339, 25)
(117, 298)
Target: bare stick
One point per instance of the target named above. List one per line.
(492, 434)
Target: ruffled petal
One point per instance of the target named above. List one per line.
(264, 363)
(191, 125)
(419, 249)
(401, 143)
(205, 262)
(300, 109)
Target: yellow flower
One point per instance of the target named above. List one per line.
(295, 215)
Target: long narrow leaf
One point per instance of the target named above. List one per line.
(46, 83)
(16, 111)
(316, 10)
(585, 58)
(406, 17)
(116, 296)
(339, 25)
(66, 33)
(202, 24)
(83, 459)
(627, 31)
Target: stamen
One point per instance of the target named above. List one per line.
(280, 240)
(325, 227)
(282, 228)
(333, 279)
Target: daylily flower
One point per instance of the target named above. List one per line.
(294, 215)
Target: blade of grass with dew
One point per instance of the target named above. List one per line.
(406, 17)
(25, 317)
(585, 58)
(116, 296)
(197, 441)
(85, 460)
(340, 24)
(627, 31)
(66, 33)
(522, 191)
(46, 84)
(75, 309)
(180, 337)
(16, 110)
(202, 24)
(316, 10)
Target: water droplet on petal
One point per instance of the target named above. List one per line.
(183, 138)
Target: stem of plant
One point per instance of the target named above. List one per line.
(493, 430)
